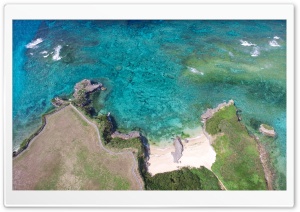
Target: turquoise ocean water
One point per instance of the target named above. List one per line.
(161, 75)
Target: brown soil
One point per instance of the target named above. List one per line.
(66, 156)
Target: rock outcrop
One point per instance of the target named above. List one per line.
(210, 112)
(126, 136)
(84, 87)
(82, 91)
(267, 130)
(57, 102)
(178, 149)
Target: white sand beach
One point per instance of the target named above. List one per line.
(197, 152)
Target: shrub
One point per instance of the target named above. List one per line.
(106, 128)
(183, 179)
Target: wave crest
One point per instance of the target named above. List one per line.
(246, 43)
(33, 44)
(194, 70)
(56, 53)
(273, 43)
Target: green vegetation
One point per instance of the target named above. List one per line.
(207, 178)
(237, 163)
(267, 127)
(183, 179)
(130, 143)
(105, 128)
(213, 124)
(24, 143)
(85, 103)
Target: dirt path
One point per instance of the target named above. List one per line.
(134, 167)
(221, 184)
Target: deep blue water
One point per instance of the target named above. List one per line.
(161, 75)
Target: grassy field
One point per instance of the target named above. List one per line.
(66, 156)
(238, 163)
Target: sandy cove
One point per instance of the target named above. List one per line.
(197, 152)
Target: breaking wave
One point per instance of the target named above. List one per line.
(193, 70)
(33, 44)
(273, 43)
(246, 43)
(56, 53)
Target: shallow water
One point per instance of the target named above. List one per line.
(161, 75)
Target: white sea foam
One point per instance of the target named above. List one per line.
(45, 55)
(56, 53)
(33, 44)
(195, 71)
(246, 43)
(276, 37)
(273, 43)
(255, 52)
(43, 52)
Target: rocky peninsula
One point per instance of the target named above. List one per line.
(236, 150)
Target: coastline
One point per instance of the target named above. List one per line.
(198, 149)
(196, 152)
(190, 83)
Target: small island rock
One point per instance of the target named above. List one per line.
(85, 86)
(267, 130)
